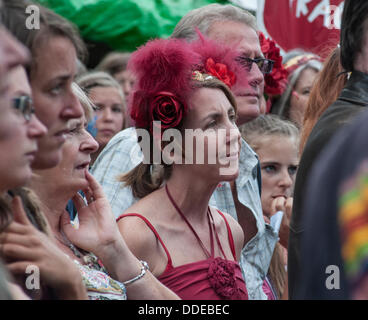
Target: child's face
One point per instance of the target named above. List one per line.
(278, 156)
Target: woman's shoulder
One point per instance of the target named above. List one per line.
(236, 229)
(137, 225)
(230, 220)
(148, 207)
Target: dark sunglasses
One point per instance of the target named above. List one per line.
(264, 65)
(25, 105)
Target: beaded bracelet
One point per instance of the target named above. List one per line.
(144, 268)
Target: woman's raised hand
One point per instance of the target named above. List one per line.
(97, 230)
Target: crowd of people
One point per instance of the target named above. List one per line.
(169, 173)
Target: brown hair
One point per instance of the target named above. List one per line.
(267, 125)
(32, 207)
(326, 89)
(13, 15)
(277, 272)
(5, 212)
(114, 62)
(144, 179)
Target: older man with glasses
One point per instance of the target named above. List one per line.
(232, 26)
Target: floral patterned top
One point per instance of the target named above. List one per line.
(99, 285)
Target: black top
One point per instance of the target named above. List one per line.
(352, 100)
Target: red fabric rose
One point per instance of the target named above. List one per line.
(221, 275)
(276, 81)
(220, 71)
(167, 109)
(265, 45)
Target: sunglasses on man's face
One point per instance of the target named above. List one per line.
(24, 104)
(264, 65)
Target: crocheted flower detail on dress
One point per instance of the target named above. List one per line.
(221, 274)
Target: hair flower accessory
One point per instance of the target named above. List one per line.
(197, 75)
(163, 68)
(167, 109)
(220, 71)
(276, 81)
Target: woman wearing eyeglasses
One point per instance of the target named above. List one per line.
(21, 243)
(19, 132)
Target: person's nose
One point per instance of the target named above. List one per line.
(127, 88)
(107, 115)
(89, 144)
(255, 76)
(285, 180)
(36, 129)
(72, 107)
(12, 52)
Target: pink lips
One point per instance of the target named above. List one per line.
(31, 155)
(83, 165)
(107, 132)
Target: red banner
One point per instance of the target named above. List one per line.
(312, 25)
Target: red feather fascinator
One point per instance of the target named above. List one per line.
(163, 68)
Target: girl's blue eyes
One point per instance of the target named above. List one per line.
(292, 170)
(271, 168)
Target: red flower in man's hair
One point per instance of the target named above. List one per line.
(220, 71)
(167, 109)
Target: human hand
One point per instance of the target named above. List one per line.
(22, 245)
(285, 205)
(98, 231)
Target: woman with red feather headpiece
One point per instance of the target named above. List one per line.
(182, 88)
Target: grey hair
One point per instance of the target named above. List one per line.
(203, 18)
(282, 107)
(86, 103)
(268, 125)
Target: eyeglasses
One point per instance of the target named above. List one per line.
(25, 105)
(264, 65)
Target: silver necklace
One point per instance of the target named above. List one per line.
(88, 259)
(66, 242)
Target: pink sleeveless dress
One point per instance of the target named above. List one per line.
(212, 279)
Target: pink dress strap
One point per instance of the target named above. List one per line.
(230, 235)
(149, 224)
